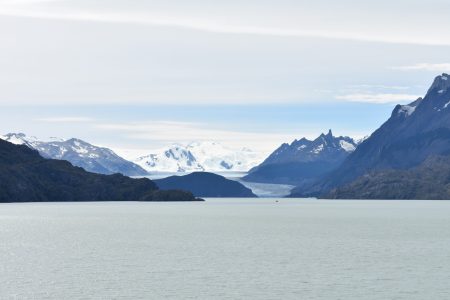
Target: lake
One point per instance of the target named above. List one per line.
(226, 249)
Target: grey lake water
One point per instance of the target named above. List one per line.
(226, 249)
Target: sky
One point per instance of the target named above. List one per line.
(140, 75)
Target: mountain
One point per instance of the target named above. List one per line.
(412, 134)
(199, 156)
(174, 159)
(203, 184)
(303, 160)
(25, 176)
(79, 153)
(215, 157)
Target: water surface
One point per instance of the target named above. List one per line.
(226, 249)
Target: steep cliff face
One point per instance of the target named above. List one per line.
(413, 133)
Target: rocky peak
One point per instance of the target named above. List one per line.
(328, 135)
(406, 110)
(436, 99)
(441, 84)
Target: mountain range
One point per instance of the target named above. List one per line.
(197, 156)
(200, 156)
(303, 161)
(408, 157)
(80, 153)
(416, 138)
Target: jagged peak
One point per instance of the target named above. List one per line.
(440, 84)
(326, 137)
(329, 134)
(303, 140)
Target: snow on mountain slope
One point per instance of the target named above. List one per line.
(79, 153)
(20, 139)
(175, 159)
(200, 156)
(414, 136)
(324, 148)
(214, 156)
(349, 147)
(303, 160)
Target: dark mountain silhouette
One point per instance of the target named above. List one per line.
(203, 184)
(428, 181)
(25, 176)
(81, 154)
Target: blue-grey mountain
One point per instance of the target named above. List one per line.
(414, 133)
(303, 161)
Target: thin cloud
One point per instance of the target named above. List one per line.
(212, 26)
(377, 87)
(442, 67)
(65, 120)
(378, 98)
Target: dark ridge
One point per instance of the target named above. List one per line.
(25, 176)
(428, 181)
(204, 184)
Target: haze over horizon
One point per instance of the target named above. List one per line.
(139, 76)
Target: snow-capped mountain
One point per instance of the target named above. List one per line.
(79, 153)
(20, 139)
(200, 156)
(214, 156)
(303, 160)
(325, 147)
(174, 159)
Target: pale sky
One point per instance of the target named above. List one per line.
(138, 75)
